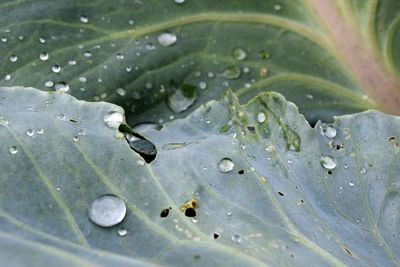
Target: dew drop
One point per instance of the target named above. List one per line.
(107, 211)
(3, 121)
(61, 87)
(179, 1)
(225, 165)
(13, 150)
(42, 40)
(239, 54)
(44, 56)
(150, 46)
(119, 56)
(261, 117)
(231, 72)
(82, 132)
(30, 132)
(87, 54)
(328, 162)
(75, 138)
(84, 19)
(13, 58)
(237, 239)
(167, 39)
(140, 162)
(351, 183)
(56, 68)
(121, 92)
(48, 84)
(4, 39)
(7, 77)
(182, 98)
(40, 131)
(363, 170)
(113, 119)
(329, 132)
(277, 7)
(122, 232)
(202, 85)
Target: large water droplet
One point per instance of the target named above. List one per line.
(239, 54)
(13, 150)
(182, 98)
(231, 72)
(13, 58)
(167, 39)
(113, 119)
(61, 87)
(44, 56)
(261, 117)
(328, 162)
(225, 165)
(107, 211)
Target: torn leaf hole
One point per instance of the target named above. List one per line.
(281, 194)
(164, 213)
(216, 235)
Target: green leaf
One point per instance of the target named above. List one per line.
(328, 57)
(276, 205)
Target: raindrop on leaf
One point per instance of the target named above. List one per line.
(107, 211)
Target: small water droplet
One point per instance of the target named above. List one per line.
(345, 166)
(225, 165)
(56, 68)
(179, 1)
(13, 58)
(122, 232)
(237, 239)
(210, 75)
(119, 56)
(239, 54)
(61, 87)
(261, 117)
(42, 40)
(107, 211)
(328, 162)
(195, 220)
(30, 132)
(84, 19)
(4, 39)
(277, 7)
(150, 46)
(202, 85)
(87, 54)
(351, 183)
(72, 62)
(39, 131)
(82, 132)
(7, 77)
(363, 170)
(140, 162)
(378, 177)
(75, 138)
(113, 119)
(44, 56)
(167, 39)
(3, 121)
(13, 150)
(231, 72)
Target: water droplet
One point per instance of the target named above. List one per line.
(363, 170)
(202, 85)
(182, 98)
(42, 40)
(84, 19)
(351, 183)
(195, 220)
(150, 46)
(179, 1)
(72, 62)
(75, 138)
(30, 132)
(121, 91)
(4, 39)
(56, 68)
(44, 56)
(40, 131)
(3, 121)
(81, 132)
(225, 165)
(277, 7)
(113, 119)
(210, 75)
(61, 87)
(119, 56)
(231, 72)
(328, 162)
(13, 58)
(107, 211)
(82, 79)
(329, 132)
(7, 77)
(49, 84)
(236, 239)
(378, 177)
(87, 54)
(13, 150)
(167, 39)
(239, 54)
(140, 162)
(122, 232)
(261, 117)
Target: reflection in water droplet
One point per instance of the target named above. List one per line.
(30, 132)
(3, 121)
(44, 56)
(107, 211)
(113, 119)
(122, 232)
(239, 54)
(61, 87)
(261, 117)
(328, 162)
(236, 239)
(13, 58)
(166, 39)
(13, 150)
(225, 165)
